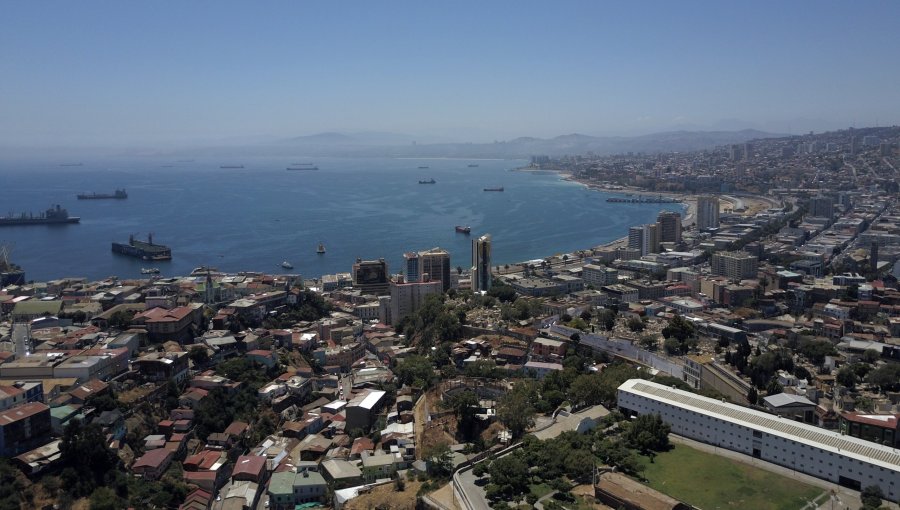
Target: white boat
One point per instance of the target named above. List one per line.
(287, 265)
(149, 270)
(321, 249)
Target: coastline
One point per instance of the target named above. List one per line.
(688, 201)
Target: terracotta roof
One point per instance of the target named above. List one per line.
(884, 421)
(153, 458)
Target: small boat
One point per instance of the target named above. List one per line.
(287, 265)
(202, 270)
(320, 249)
(423, 168)
(463, 229)
(429, 181)
(149, 270)
(494, 189)
(473, 165)
(231, 166)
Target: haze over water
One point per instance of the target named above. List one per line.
(254, 218)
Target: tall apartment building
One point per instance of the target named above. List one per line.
(371, 276)
(821, 207)
(669, 226)
(481, 263)
(436, 264)
(644, 238)
(411, 263)
(707, 212)
(736, 265)
(407, 298)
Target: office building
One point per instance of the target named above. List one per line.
(436, 264)
(598, 276)
(707, 212)
(371, 276)
(736, 265)
(481, 263)
(669, 226)
(832, 456)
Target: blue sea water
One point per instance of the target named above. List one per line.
(255, 217)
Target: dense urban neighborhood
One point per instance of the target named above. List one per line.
(743, 353)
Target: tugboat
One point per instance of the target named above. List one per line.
(321, 249)
(287, 265)
(464, 229)
(429, 181)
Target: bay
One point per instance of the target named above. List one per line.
(255, 217)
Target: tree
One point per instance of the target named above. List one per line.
(871, 356)
(414, 371)
(648, 433)
(465, 406)
(583, 391)
(752, 396)
(510, 474)
(85, 457)
(846, 376)
(607, 317)
(636, 325)
(199, 355)
(871, 497)
(515, 409)
(679, 328)
(649, 342)
(439, 461)
(105, 498)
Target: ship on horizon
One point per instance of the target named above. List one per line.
(231, 166)
(428, 181)
(118, 194)
(494, 189)
(302, 166)
(53, 216)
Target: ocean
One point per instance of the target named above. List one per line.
(255, 217)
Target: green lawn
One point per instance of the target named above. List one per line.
(540, 489)
(710, 482)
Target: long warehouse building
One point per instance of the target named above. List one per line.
(840, 459)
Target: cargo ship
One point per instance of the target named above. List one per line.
(142, 250)
(231, 166)
(428, 181)
(302, 166)
(473, 165)
(54, 216)
(463, 229)
(119, 193)
(494, 189)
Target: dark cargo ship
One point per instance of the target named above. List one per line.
(142, 250)
(54, 216)
(119, 193)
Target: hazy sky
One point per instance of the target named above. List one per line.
(91, 72)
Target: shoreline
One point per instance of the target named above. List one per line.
(689, 203)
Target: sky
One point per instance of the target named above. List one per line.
(103, 73)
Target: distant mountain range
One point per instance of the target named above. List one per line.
(395, 145)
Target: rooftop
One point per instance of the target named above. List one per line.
(834, 442)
